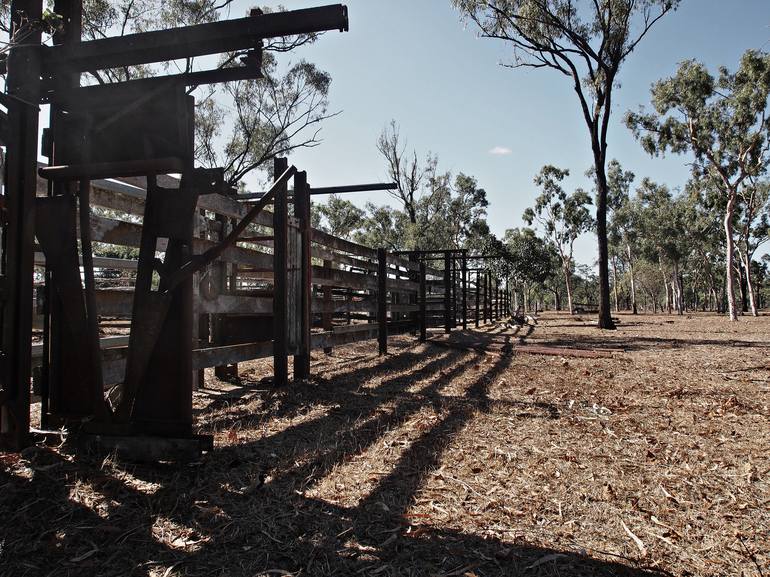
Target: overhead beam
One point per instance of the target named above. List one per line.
(329, 190)
(354, 188)
(191, 41)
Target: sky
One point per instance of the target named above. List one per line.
(416, 62)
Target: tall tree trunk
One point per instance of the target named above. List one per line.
(665, 284)
(615, 282)
(678, 291)
(557, 298)
(750, 284)
(729, 256)
(633, 280)
(605, 314)
(567, 281)
(741, 272)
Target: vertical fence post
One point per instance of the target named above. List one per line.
(496, 301)
(484, 297)
(478, 291)
(302, 212)
(454, 290)
(421, 301)
(327, 316)
(382, 300)
(23, 81)
(447, 293)
(280, 279)
(465, 289)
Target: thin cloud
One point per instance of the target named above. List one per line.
(500, 151)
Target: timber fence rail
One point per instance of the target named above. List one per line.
(355, 292)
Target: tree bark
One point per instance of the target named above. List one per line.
(729, 257)
(615, 282)
(567, 281)
(750, 285)
(633, 280)
(605, 314)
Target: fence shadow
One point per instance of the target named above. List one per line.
(254, 508)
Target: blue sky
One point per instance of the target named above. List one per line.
(416, 62)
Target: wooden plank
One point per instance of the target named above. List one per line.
(332, 339)
(344, 306)
(339, 278)
(122, 233)
(340, 244)
(114, 302)
(231, 354)
(104, 343)
(382, 300)
(235, 305)
(99, 262)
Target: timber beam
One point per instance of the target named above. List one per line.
(191, 41)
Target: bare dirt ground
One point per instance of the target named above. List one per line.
(439, 460)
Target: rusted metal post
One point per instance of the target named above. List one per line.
(302, 212)
(478, 290)
(280, 279)
(382, 300)
(465, 289)
(447, 293)
(23, 84)
(421, 298)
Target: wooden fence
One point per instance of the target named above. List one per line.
(356, 292)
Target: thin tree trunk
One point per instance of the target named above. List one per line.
(615, 282)
(750, 285)
(665, 284)
(633, 280)
(567, 279)
(729, 256)
(605, 314)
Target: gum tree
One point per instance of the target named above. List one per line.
(723, 121)
(586, 41)
(563, 217)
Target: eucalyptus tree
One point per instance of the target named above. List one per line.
(563, 217)
(723, 121)
(404, 169)
(587, 41)
(622, 227)
(340, 217)
(753, 229)
(533, 261)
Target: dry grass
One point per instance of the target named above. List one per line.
(439, 461)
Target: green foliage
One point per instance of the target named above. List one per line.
(722, 120)
(340, 217)
(532, 260)
(563, 217)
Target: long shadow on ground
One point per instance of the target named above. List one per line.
(248, 509)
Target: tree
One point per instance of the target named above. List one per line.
(383, 227)
(341, 217)
(563, 217)
(621, 228)
(404, 170)
(532, 260)
(659, 218)
(587, 42)
(723, 122)
(754, 229)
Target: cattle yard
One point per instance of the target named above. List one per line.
(141, 279)
(195, 381)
